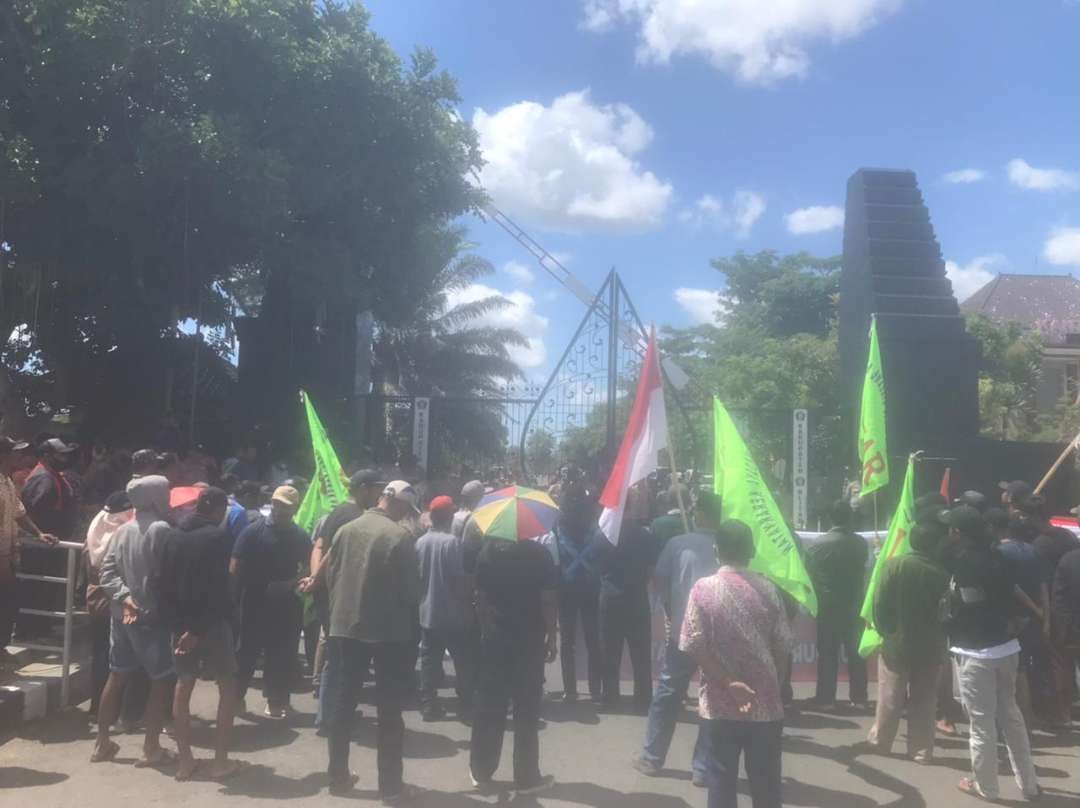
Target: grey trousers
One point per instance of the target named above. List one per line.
(917, 690)
(988, 691)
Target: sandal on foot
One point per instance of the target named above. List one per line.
(971, 788)
(233, 768)
(182, 776)
(106, 753)
(162, 757)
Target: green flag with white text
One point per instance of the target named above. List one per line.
(897, 543)
(745, 496)
(329, 487)
(873, 449)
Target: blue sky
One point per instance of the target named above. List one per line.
(653, 135)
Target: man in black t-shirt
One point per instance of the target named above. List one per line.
(268, 559)
(516, 594)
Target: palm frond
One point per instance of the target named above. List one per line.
(464, 313)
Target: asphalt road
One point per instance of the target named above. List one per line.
(587, 753)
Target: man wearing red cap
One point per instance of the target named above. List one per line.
(446, 612)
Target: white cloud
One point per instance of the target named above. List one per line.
(964, 176)
(740, 214)
(1063, 247)
(759, 41)
(519, 272)
(702, 305)
(971, 277)
(522, 315)
(571, 166)
(1023, 175)
(815, 219)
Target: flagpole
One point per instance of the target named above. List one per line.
(877, 537)
(1057, 464)
(678, 487)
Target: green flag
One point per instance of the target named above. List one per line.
(873, 449)
(745, 497)
(329, 487)
(897, 543)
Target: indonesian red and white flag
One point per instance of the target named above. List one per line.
(646, 435)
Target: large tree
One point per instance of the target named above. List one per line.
(164, 159)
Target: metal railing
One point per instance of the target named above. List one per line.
(69, 614)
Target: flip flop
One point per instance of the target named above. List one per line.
(163, 756)
(971, 788)
(106, 754)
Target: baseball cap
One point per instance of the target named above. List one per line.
(1016, 490)
(117, 503)
(211, 497)
(57, 445)
(965, 519)
(441, 503)
(402, 491)
(287, 495)
(8, 445)
(473, 488)
(973, 498)
(366, 477)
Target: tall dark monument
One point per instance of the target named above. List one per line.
(893, 268)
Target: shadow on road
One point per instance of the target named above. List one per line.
(19, 777)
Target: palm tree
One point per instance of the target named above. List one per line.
(445, 349)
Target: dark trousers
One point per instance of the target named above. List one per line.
(572, 604)
(838, 628)
(9, 605)
(274, 632)
(627, 619)
(759, 742)
(392, 686)
(509, 670)
(434, 643)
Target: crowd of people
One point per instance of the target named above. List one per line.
(390, 582)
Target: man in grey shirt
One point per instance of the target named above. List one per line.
(130, 575)
(471, 494)
(446, 612)
(684, 560)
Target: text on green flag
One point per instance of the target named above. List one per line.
(873, 448)
(329, 487)
(745, 496)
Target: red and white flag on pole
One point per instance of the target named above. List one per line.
(646, 435)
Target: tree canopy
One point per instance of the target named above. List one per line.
(162, 160)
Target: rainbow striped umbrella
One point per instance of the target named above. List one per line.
(516, 513)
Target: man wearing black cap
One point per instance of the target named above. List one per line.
(979, 604)
(196, 604)
(12, 516)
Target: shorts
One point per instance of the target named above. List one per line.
(214, 655)
(134, 647)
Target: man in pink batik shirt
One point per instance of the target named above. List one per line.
(737, 632)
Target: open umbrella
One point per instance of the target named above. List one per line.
(516, 513)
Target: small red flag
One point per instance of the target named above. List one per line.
(945, 484)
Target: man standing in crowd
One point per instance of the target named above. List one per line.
(516, 601)
(669, 523)
(980, 602)
(130, 575)
(683, 562)
(906, 614)
(1065, 599)
(579, 590)
(446, 613)
(266, 561)
(374, 588)
(12, 516)
(471, 494)
(625, 616)
(837, 566)
(365, 488)
(197, 604)
(737, 632)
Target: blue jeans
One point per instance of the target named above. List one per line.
(664, 711)
(329, 683)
